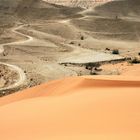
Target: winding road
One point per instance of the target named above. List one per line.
(20, 72)
(14, 30)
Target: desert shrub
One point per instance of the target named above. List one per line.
(90, 66)
(107, 49)
(82, 38)
(93, 73)
(115, 51)
(97, 69)
(31, 79)
(72, 43)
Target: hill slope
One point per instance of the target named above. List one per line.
(34, 9)
(77, 3)
(121, 7)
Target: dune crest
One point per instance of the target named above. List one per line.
(68, 85)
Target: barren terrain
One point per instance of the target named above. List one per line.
(75, 43)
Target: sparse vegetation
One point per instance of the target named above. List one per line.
(115, 51)
(97, 69)
(135, 60)
(82, 37)
(72, 43)
(107, 49)
(93, 73)
(31, 79)
(90, 66)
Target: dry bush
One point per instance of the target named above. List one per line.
(115, 51)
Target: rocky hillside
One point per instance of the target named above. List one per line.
(33, 9)
(78, 3)
(120, 7)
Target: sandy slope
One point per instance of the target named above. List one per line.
(77, 108)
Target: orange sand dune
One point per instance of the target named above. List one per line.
(67, 85)
(79, 108)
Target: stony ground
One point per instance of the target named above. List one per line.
(7, 76)
(48, 49)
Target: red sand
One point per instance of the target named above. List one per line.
(79, 108)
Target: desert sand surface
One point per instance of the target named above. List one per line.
(74, 108)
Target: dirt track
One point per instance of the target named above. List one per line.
(29, 38)
(19, 71)
(20, 80)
